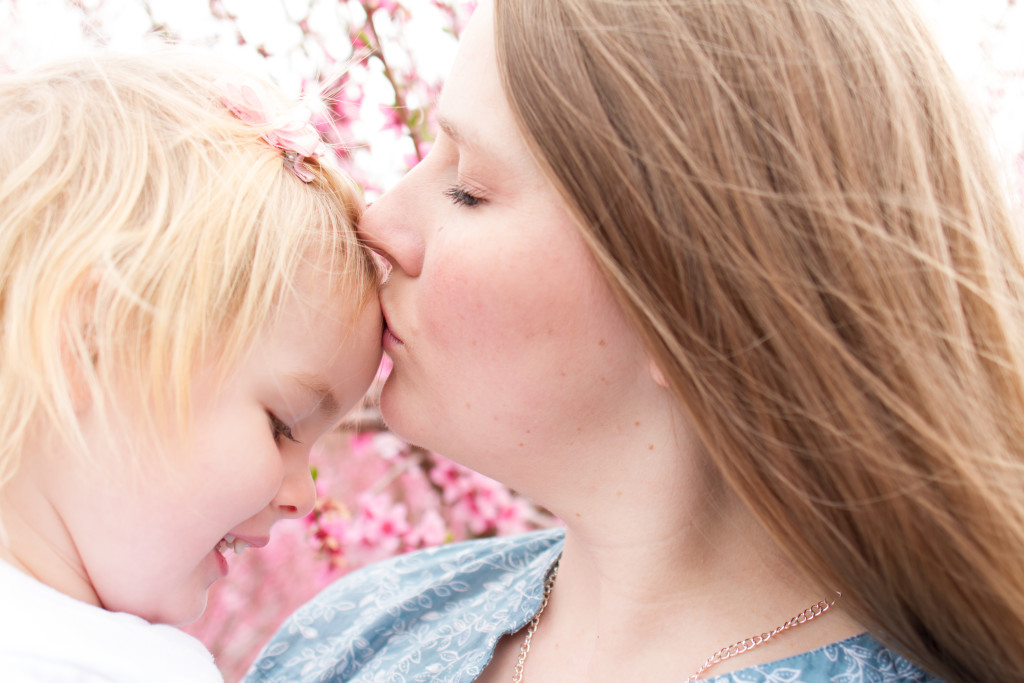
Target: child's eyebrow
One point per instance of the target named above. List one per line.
(326, 402)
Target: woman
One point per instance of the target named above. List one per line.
(728, 286)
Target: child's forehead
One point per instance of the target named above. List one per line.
(319, 311)
(323, 349)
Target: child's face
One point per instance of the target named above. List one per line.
(151, 547)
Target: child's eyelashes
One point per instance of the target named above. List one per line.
(460, 196)
(280, 429)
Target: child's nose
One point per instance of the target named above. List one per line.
(297, 495)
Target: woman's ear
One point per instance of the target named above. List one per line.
(656, 374)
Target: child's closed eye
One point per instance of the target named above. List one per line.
(280, 429)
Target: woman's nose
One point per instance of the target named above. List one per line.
(394, 224)
(297, 495)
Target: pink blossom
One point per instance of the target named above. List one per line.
(450, 478)
(433, 530)
(389, 446)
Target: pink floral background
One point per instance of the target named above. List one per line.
(382, 63)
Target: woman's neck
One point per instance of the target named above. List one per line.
(631, 612)
(663, 565)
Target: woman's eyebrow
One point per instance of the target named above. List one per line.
(449, 128)
(457, 134)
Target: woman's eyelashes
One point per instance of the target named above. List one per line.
(461, 197)
(280, 429)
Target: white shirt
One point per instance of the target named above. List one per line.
(49, 637)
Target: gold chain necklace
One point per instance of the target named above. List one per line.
(524, 650)
(737, 648)
(747, 644)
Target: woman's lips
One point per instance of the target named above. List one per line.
(389, 340)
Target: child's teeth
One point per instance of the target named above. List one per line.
(236, 544)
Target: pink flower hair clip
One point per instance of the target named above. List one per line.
(292, 132)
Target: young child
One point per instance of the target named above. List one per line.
(184, 310)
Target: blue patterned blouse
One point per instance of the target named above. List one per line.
(436, 615)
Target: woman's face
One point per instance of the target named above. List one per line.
(504, 335)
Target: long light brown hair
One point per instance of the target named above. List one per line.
(792, 201)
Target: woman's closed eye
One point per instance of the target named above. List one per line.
(280, 429)
(460, 196)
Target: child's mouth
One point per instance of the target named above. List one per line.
(236, 544)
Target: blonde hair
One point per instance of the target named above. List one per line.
(792, 201)
(143, 228)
